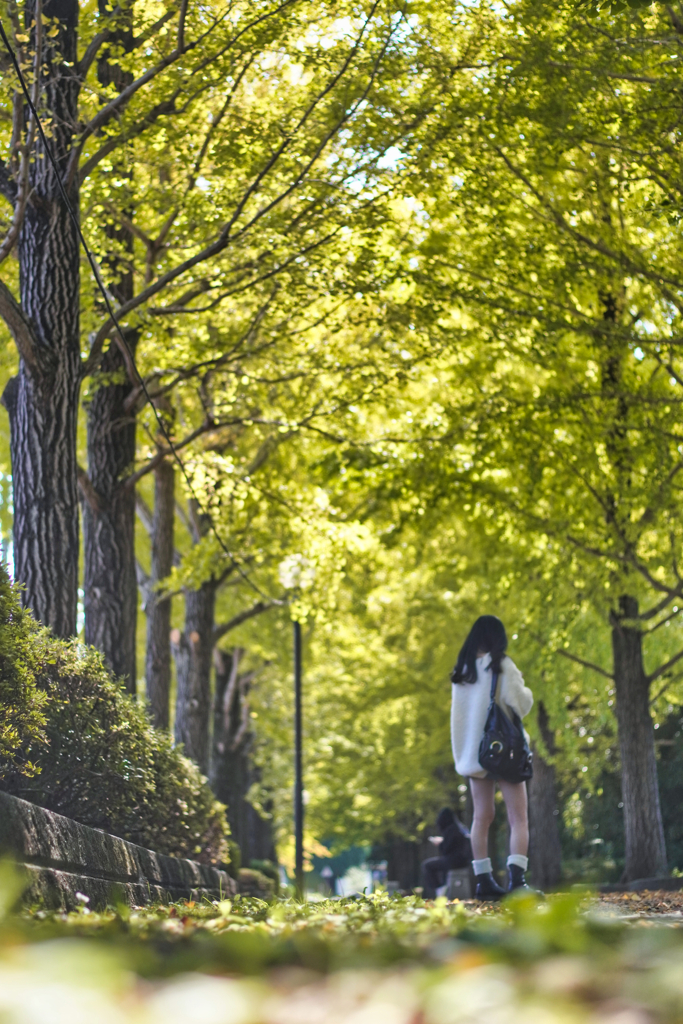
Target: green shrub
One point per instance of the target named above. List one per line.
(270, 870)
(98, 758)
(235, 858)
(255, 883)
(22, 704)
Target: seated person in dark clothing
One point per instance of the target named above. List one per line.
(455, 851)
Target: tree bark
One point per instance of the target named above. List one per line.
(110, 583)
(229, 774)
(545, 850)
(644, 832)
(260, 842)
(404, 859)
(645, 847)
(158, 657)
(42, 401)
(232, 773)
(192, 650)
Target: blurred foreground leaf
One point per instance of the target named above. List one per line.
(12, 884)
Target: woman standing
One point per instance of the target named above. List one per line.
(482, 654)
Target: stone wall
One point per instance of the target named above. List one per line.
(63, 858)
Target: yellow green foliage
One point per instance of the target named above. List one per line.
(22, 704)
(397, 960)
(79, 745)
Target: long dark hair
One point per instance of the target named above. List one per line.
(446, 818)
(487, 634)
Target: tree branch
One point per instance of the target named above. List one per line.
(111, 109)
(620, 258)
(19, 327)
(163, 453)
(146, 517)
(96, 43)
(665, 667)
(253, 188)
(183, 517)
(250, 283)
(180, 43)
(8, 186)
(132, 132)
(106, 113)
(91, 52)
(144, 581)
(219, 361)
(202, 286)
(662, 690)
(671, 592)
(138, 300)
(23, 196)
(22, 176)
(231, 688)
(621, 76)
(244, 616)
(243, 728)
(224, 238)
(152, 29)
(144, 512)
(121, 99)
(649, 512)
(216, 123)
(651, 613)
(88, 491)
(586, 664)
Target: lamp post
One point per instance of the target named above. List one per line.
(298, 769)
(297, 574)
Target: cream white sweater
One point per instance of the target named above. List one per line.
(470, 704)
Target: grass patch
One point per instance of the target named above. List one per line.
(380, 959)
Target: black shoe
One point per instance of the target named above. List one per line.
(518, 882)
(487, 889)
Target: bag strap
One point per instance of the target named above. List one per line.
(494, 685)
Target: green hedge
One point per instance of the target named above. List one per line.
(82, 747)
(270, 870)
(255, 883)
(22, 704)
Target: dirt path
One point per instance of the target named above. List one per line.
(650, 905)
(647, 906)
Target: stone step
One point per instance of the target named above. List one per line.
(62, 857)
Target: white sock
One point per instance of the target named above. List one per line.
(483, 866)
(519, 859)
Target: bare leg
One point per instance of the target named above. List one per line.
(514, 794)
(483, 792)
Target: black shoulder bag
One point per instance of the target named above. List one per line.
(504, 752)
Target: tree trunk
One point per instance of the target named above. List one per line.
(42, 401)
(232, 772)
(644, 832)
(260, 843)
(110, 583)
(545, 851)
(404, 863)
(192, 650)
(158, 658)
